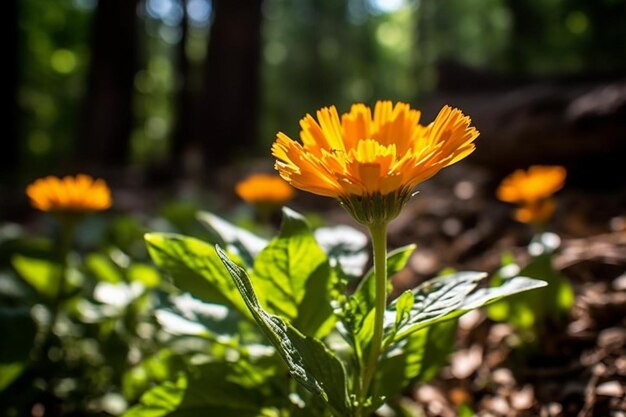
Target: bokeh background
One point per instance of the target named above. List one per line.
(146, 92)
(173, 102)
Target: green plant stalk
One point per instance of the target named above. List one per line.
(68, 226)
(263, 213)
(378, 233)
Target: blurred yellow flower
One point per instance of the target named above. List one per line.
(264, 189)
(532, 190)
(79, 194)
(539, 212)
(372, 158)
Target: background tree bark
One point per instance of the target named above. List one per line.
(108, 109)
(226, 125)
(180, 138)
(182, 145)
(10, 155)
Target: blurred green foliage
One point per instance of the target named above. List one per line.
(313, 53)
(121, 337)
(535, 315)
(53, 62)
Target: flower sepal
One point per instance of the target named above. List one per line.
(376, 208)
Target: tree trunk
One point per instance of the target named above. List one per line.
(9, 156)
(226, 122)
(185, 102)
(523, 34)
(108, 109)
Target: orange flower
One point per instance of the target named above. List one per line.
(532, 191)
(538, 212)
(264, 189)
(80, 194)
(372, 161)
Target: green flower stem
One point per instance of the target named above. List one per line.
(378, 233)
(68, 226)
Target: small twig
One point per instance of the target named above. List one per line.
(590, 396)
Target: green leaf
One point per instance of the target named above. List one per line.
(195, 268)
(559, 289)
(524, 311)
(438, 344)
(404, 305)
(212, 389)
(466, 411)
(224, 384)
(9, 372)
(43, 275)
(151, 370)
(406, 407)
(419, 357)
(518, 314)
(189, 316)
(486, 296)
(309, 361)
(160, 401)
(346, 248)
(145, 274)
(103, 268)
(435, 299)
(242, 242)
(419, 346)
(444, 298)
(292, 276)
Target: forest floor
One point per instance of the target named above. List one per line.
(576, 369)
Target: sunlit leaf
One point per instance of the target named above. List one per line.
(189, 316)
(292, 276)
(435, 299)
(444, 298)
(438, 344)
(345, 247)
(418, 358)
(308, 360)
(420, 335)
(43, 275)
(404, 305)
(211, 389)
(559, 288)
(151, 370)
(240, 241)
(466, 411)
(525, 311)
(160, 401)
(485, 296)
(144, 274)
(103, 268)
(194, 267)
(176, 324)
(9, 372)
(118, 295)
